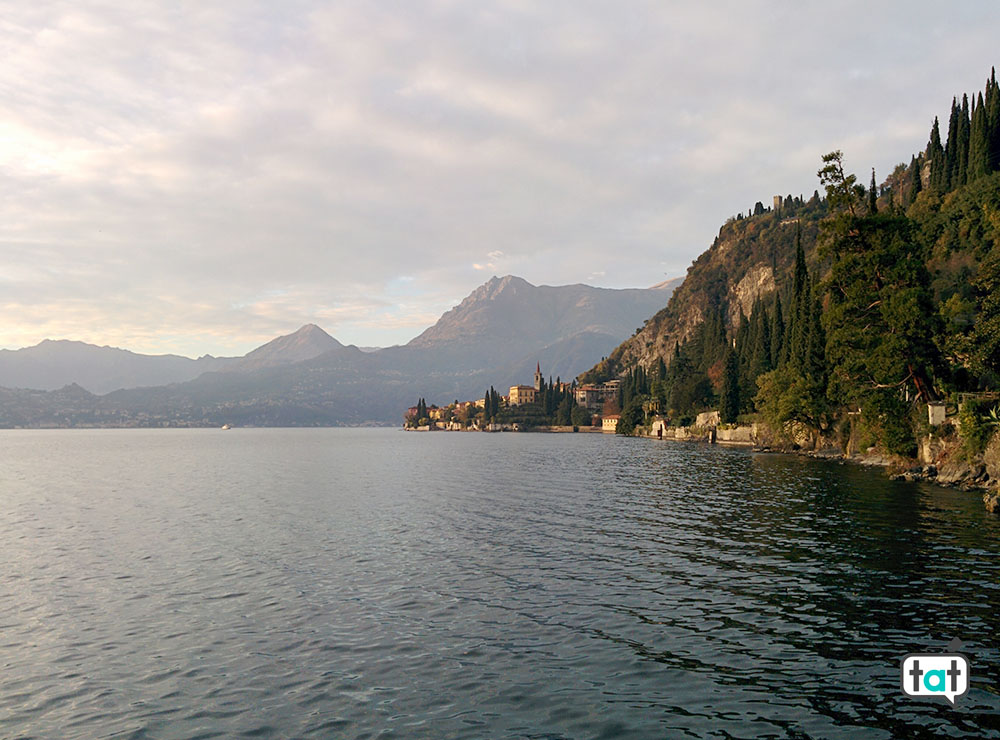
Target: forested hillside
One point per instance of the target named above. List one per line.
(870, 298)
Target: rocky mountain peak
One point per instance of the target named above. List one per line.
(307, 342)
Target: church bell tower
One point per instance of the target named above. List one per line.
(538, 376)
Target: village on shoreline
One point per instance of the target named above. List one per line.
(588, 408)
(595, 408)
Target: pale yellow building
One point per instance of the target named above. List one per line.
(521, 394)
(609, 424)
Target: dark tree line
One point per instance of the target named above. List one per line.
(972, 147)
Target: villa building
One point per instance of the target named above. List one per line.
(521, 394)
(593, 396)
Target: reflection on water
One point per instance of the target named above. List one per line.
(370, 583)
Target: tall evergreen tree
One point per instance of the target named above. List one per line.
(798, 318)
(964, 127)
(777, 332)
(935, 155)
(880, 322)
(873, 196)
(814, 364)
(916, 184)
(992, 102)
(950, 178)
(758, 345)
(729, 407)
(979, 142)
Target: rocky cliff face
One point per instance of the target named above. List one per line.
(510, 309)
(750, 259)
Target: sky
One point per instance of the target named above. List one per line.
(200, 177)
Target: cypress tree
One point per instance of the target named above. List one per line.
(777, 332)
(681, 371)
(935, 155)
(730, 400)
(979, 142)
(800, 277)
(950, 179)
(873, 196)
(964, 127)
(815, 355)
(742, 338)
(759, 349)
(993, 122)
(795, 333)
(915, 180)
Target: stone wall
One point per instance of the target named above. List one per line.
(737, 435)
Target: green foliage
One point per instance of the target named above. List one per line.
(689, 384)
(729, 407)
(632, 416)
(977, 426)
(935, 154)
(887, 415)
(875, 310)
(985, 345)
(786, 394)
(553, 406)
(579, 416)
(880, 321)
(564, 412)
(842, 190)
(992, 419)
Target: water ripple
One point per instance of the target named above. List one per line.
(369, 583)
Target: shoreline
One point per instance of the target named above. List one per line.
(938, 467)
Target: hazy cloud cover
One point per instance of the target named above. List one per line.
(200, 177)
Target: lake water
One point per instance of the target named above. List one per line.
(371, 584)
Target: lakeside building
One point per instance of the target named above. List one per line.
(521, 394)
(593, 396)
(609, 423)
(461, 414)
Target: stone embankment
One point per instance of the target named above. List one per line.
(942, 458)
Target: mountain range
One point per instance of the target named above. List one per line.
(493, 337)
(52, 364)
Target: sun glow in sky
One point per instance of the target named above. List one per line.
(195, 177)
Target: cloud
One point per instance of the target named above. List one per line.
(202, 177)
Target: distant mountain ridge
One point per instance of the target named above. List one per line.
(507, 315)
(52, 364)
(495, 336)
(308, 342)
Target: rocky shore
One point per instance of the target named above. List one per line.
(942, 457)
